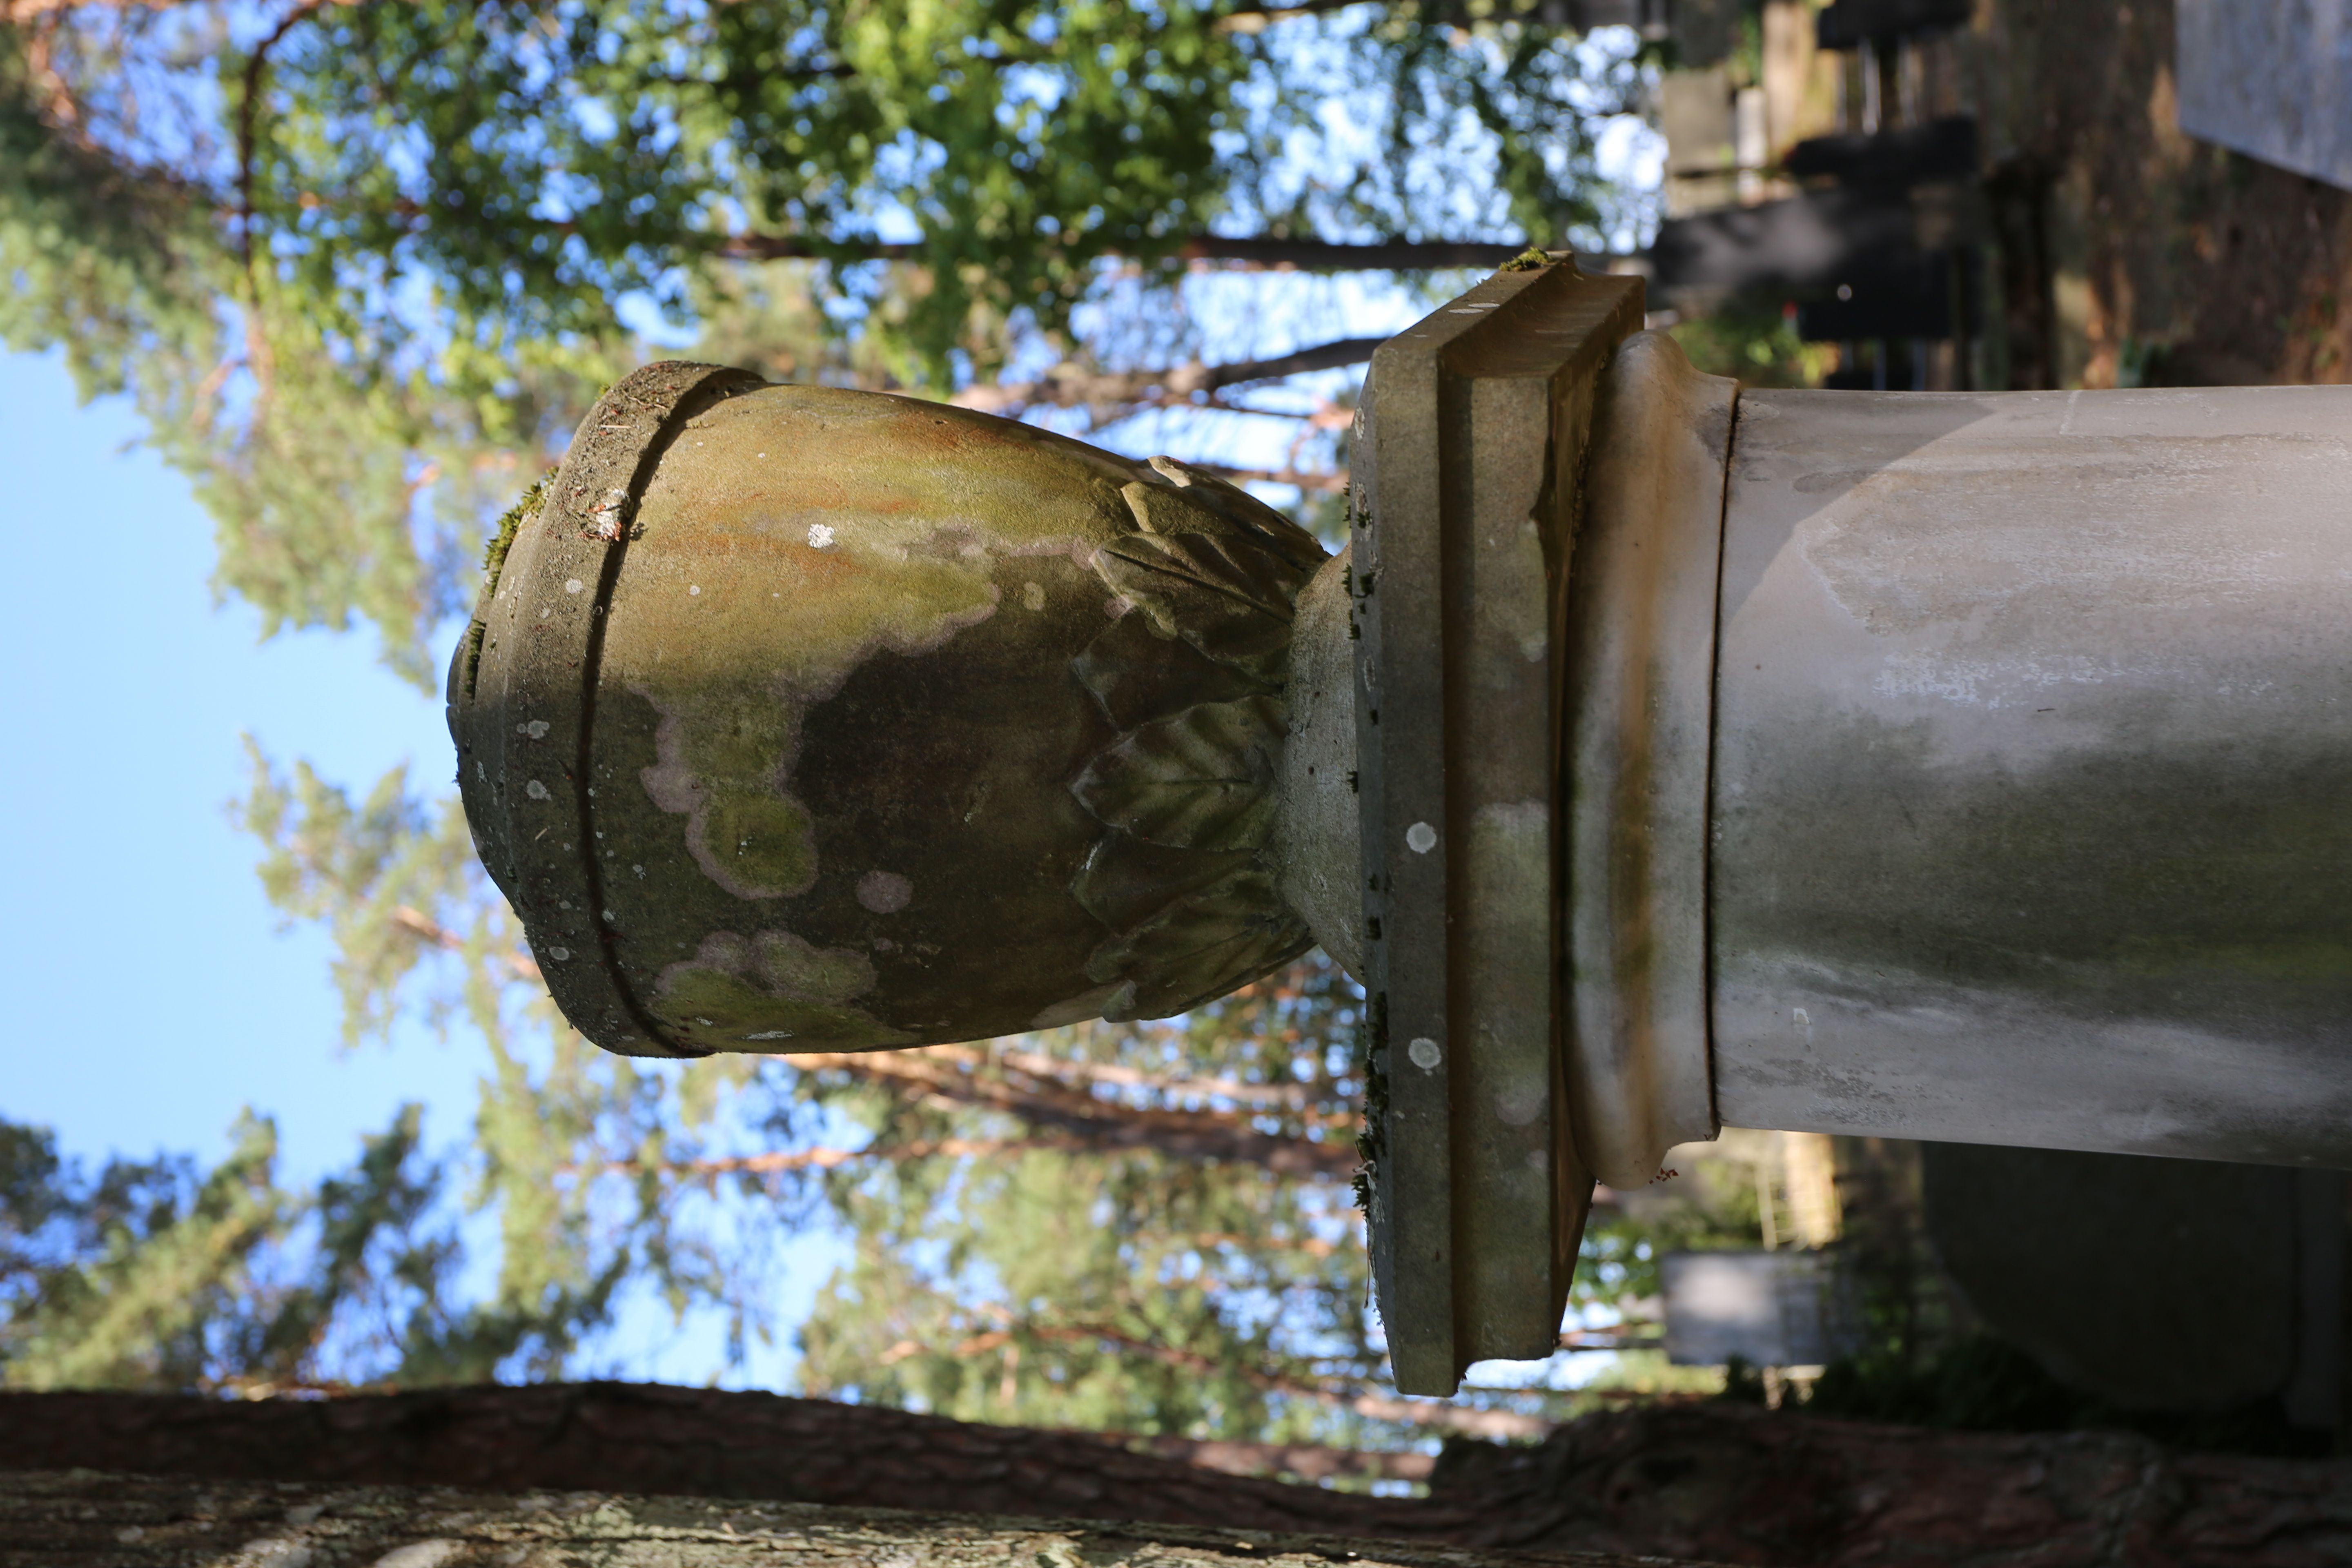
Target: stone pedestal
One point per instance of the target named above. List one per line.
(2032, 788)
(1936, 766)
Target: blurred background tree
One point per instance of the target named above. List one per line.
(362, 265)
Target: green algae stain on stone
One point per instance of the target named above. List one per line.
(763, 581)
(727, 746)
(718, 768)
(765, 841)
(771, 991)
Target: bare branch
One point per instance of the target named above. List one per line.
(1495, 1426)
(255, 65)
(1074, 386)
(1196, 1136)
(416, 922)
(21, 11)
(821, 1159)
(1313, 1246)
(1332, 482)
(1256, 18)
(1297, 1095)
(1254, 251)
(1608, 1339)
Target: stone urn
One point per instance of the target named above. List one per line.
(802, 719)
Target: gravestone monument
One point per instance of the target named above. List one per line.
(1657, 755)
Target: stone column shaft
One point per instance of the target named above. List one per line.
(2032, 806)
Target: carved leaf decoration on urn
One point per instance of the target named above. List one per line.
(1199, 947)
(1138, 673)
(1202, 779)
(1227, 594)
(1237, 506)
(1192, 677)
(1126, 881)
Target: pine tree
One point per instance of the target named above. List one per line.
(362, 267)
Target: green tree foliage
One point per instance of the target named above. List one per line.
(536, 164)
(1438, 80)
(420, 932)
(1755, 342)
(361, 266)
(151, 1275)
(1141, 1225)
(1101, 1287)
(348, 481)
(1711, 1206)
(1130, 1227)
(125, 1278)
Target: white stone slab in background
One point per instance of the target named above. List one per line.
(1770, 1308)
(2270, 78)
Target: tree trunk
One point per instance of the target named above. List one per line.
(956, 1073)
(1741, 1484)
(49, 1518)
(640, 1437)
(1724, 1483)
(1303, 255)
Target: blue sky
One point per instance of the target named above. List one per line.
(155, 994)
(154, 997)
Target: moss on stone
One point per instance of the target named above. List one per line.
(502, 538)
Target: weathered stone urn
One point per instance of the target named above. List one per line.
(805, 718)
(1958, 766)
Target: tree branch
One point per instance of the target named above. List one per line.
(142, 1521)
(1281, 255)
(1193, 1135)
(783, 1161)
(1255, 16)
(1688, 1479)
(1307, 1461)
(1608, 1339)
(689, 1441)
(255, 64)
(417, 923)
(1295, 1096)
(1333, 482)
(1072, 386)
(1041, 1090)
(1497, 1425)
(20, 11)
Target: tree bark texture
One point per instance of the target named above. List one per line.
(81, 1518)
(2184, 265)
(1723, 1483)
(1026, 1087)
(647, 1439)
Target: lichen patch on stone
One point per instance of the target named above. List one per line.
(743, 828)
(769, 988)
